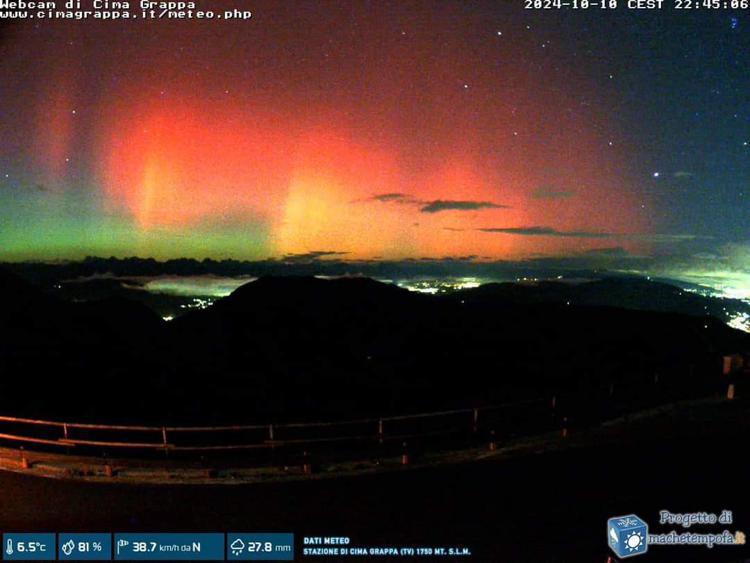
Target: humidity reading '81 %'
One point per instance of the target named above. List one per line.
(113, 10)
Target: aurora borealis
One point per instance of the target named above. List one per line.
(383, 130)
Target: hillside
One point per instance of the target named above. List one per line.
(300, 347)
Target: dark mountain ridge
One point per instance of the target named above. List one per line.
(292, 348)
(625, 292)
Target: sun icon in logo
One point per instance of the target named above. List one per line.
(634, 541)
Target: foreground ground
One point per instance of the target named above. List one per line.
(550, 506)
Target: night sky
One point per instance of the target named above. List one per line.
(383, 130)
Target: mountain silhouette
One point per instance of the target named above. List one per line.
(59, 357)
(294, 348)
(624, 292)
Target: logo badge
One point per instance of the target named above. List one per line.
(627, 535)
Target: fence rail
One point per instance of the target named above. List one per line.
(487, 422)
(257, 436)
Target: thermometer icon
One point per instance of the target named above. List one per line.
(9, 549)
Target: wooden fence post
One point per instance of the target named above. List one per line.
(65, 435)
(553, 404)
(380, 431)
(306, 465)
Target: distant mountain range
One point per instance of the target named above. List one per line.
(626, 292)
(130, 278)
(284, 348)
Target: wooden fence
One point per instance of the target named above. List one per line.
(442, 429)
(460, 423)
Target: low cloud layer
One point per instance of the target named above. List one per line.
(435, 206)
(544, 232)
(540, 231)
(392, 197)
(457, 205)
(312, 256)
